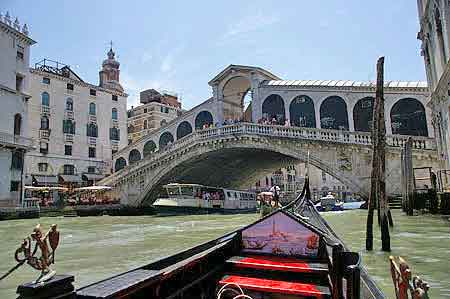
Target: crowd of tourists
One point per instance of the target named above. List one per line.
(205, 195)
(274, 122)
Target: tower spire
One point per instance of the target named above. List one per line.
(109, 75)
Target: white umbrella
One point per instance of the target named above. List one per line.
(275, 189)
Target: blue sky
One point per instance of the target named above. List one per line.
(181, 45)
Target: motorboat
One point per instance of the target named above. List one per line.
(329, 203)
(290, 253)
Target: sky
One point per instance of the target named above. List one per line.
(180, 45)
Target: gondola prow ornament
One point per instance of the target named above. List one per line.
(25, 254)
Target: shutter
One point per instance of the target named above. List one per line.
(118, 134)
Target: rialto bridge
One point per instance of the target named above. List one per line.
(223, 143)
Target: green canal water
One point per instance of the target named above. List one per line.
(93, 248)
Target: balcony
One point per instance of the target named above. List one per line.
(44, 134)
(45, 110)
(92, 118)
(115, 145)
(92, 141)
(68, 138)
(115, 123)
(15, 140)
(68, 114)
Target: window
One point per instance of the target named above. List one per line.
(45, 99)
(68, 126)
(17, 160)
(69, 169)
(163, 122)
(92, 152)
(19, 83)
(93, 92)
(92, 109)
(92, 130)
(43, 167)
(145, 110)
(130, 141)
(69, 104)
(15, 186)
(46, 80)
(114, 134)
(324, 176)
(114, 97)
(145, 124)
(20, 53)
(69, 86)
(68, 150)
(17, 124)
(114, 114)
(113, 152)
(44, 123)
(91, 169)
(43, 148)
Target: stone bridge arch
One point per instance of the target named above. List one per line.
(280, 152)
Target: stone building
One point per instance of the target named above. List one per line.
(14, 97)
(78, 125)
(434, 16)
(157, 110)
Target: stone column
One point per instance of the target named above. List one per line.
(218, 103)
(317, 114)
(256, 100)
(351, 122)
(287, 115)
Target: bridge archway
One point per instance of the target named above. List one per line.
(149, 148)
(120, 164)
(184, 129)
(408, 118)
(239, 162)
(203, 118)
(134, 156)
(363, 114)
(333, 114)
(165, 139)
(302, 112)
(273, 107)
(234, 92)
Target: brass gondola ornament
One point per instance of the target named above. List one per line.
(24, 254)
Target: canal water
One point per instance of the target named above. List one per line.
(93, 248)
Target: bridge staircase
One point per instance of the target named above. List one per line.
(395, 202)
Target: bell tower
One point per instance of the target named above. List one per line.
(109, 75)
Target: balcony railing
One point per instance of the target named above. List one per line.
(44, 134)
(15, 140)
(45, 110)
(92, 140)
(68, 114)
(68, 138)
(92, 118)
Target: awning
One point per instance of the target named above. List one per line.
(45, 180)
(92, 177)
(70, 178)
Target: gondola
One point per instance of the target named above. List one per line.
(290, 253)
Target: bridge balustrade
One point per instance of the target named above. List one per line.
(337, 136)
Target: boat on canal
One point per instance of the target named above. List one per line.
(290, 253)
(200, 199)
(329, 203)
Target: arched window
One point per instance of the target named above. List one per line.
(301, 112)
(17, 124)
(120, 164)
(163, 123)
(363, 114)
(203, 119)
(273, 109)
(333, 114)
(69, 104)
(184, 129)
(114, 114)
(92, 109)
(45, 99)
(149, 148)
(408, 118)
(165, 140)
(134, 156)
(44, 123)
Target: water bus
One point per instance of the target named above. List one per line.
(199, 199)
(290, 253)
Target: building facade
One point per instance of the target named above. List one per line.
(78, 126)
(156, 111)
(434, 16)
(14, 97)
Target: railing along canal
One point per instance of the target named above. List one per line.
(335, 136)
